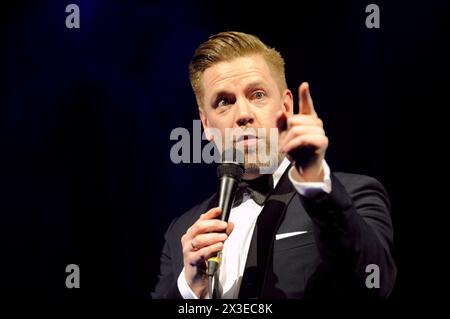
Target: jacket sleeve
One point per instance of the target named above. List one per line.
(353, 232)
(167, 288)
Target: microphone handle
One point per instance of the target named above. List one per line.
(227, 191)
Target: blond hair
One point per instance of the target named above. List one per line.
(226, 46)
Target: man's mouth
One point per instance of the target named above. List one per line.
(247, 140)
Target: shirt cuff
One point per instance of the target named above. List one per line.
(311, 189)
(186, 291)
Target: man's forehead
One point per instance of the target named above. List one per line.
(243, 70)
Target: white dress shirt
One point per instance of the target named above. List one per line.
(244, 217)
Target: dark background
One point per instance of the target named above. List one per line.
(86, 114)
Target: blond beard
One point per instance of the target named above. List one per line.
(253, 164)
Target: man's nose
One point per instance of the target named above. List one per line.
(244, 113)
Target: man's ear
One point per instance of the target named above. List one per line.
(205, 123)
(288, 102)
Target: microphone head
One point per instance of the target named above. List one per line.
(232, 164)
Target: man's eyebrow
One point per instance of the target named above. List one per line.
(256, 84)
(220, 93)
(248, 86)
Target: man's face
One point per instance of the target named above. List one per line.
(243, 95)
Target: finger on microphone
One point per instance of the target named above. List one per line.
(205, 240)
(213, 249)
(210, 214)
(230, 228)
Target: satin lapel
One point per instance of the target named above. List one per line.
(269, 220)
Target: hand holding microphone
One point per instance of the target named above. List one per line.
(204, 240)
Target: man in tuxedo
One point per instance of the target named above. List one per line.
(301, 232)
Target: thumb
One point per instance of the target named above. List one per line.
(230, 228)
(281, 121)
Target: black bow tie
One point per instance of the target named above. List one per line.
(258, 189)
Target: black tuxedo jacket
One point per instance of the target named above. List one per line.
(347, 230)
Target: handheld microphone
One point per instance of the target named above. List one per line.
(229, 172)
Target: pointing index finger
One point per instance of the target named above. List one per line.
(306, 105)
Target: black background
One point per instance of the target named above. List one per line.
(86, 115)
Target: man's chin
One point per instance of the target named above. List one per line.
(268, 166)
(251, 168)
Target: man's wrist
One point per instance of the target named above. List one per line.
(312, 189)
(184, 288)
(311, 175)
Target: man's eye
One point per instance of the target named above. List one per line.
(259, 95)
(222, 102)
